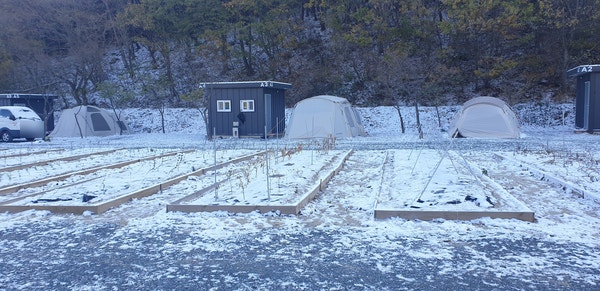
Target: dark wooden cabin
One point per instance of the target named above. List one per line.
(246, 109)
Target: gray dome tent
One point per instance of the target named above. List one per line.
(84, 121)
(486, 117)
(324, 116)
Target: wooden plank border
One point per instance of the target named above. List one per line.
(75, 209)
(283, 209)
(453, 215)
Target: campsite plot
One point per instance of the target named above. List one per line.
(428, 184)
(14, 157)
(283, 182)
(350, 197)
(112, 184)
(422, 184)
(576, 171)
(69, 161)
(9, 154)
(552, 200)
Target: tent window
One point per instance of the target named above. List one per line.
(247, 105)
(92, 109)
(223, 105)
(98, 122)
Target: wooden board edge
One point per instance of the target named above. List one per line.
(453, 215)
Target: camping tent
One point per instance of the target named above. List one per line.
(324, 116)
(84, 121)
(485, 117)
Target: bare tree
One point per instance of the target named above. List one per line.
(118, 95)
(157, 92)
(401, 82)
(59, 40)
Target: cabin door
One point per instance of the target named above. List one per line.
(586, 107)
(268, 112)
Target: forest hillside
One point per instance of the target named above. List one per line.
(156, 53)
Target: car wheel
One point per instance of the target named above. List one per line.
(5, 136)
(30, 139)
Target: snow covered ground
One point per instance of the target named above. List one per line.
(335, 242)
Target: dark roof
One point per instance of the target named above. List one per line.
(27, 96)
(584, 69)
(247, 84)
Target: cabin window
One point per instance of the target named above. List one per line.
(223, 105)
(247, 105)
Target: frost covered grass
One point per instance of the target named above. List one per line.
(334, 243)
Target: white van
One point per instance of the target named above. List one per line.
(20, 122)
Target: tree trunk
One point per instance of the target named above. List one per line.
(419, 127)
(439, 118)
(204, 115)
(161, 109)
(165, 51)
(402, 127)
(225, 53)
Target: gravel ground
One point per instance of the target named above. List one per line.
(67, 255)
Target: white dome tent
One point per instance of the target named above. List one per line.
(485, 117)
(324, 116)
(85, 121)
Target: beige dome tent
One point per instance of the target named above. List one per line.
(324, 116)
(84, 121)
(485, 117)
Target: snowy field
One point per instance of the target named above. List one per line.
(334, 243)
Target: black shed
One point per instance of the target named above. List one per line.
(42, 104)
(587, 99)
(245, 109)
